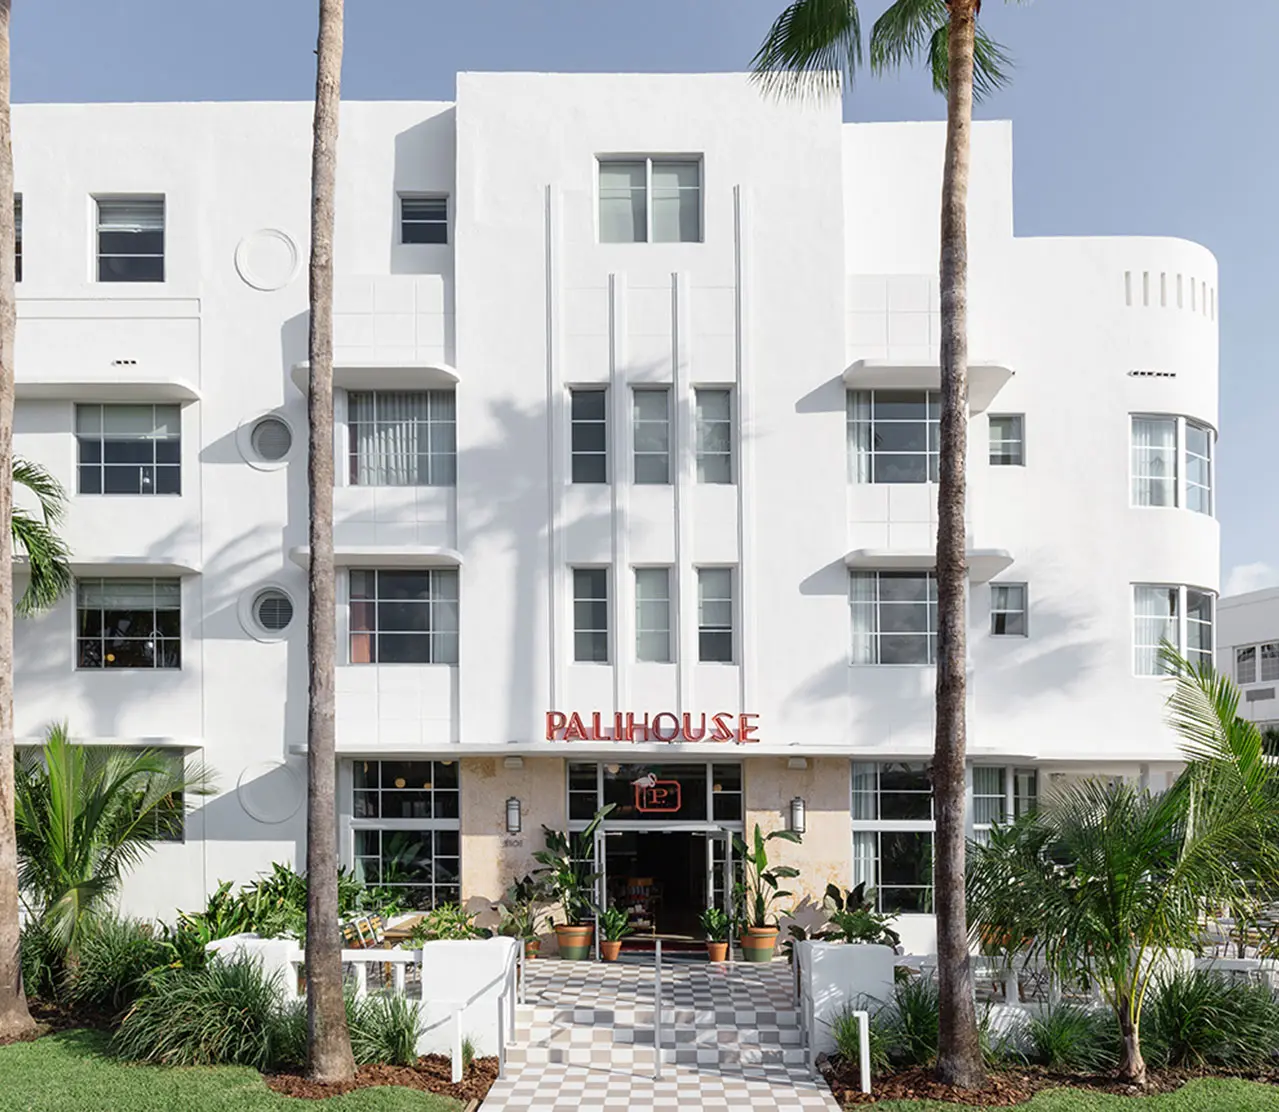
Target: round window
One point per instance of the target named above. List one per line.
(273, 610)
(271, 439)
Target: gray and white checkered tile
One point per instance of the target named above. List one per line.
(730, 1040)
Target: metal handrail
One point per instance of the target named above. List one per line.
(657, 1014)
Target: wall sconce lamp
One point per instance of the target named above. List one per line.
(798, 817)
(513, 818)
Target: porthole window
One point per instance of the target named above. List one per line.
(271, 439)
(273, 610)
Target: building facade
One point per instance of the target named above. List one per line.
(636, 427)
(1248, 641)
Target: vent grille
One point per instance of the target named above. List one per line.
(1152, 374)
(273, 610)
(124, 362)
(1259, 694)
(271, 439)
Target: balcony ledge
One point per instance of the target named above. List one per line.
(383, 556)
(350, 374)
(985, 380)
(983, 563)
(118, 389)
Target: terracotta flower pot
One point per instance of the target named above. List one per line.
(574, 940)
(610, 950)
(531, 948)
(758, 943)
(717, 951)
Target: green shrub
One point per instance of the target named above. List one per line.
(1068, 1037)
(905, 1029)
(1198, 1019)
(288, 1035)
(468, 1054)
(115, 958)
(843, 1029)
(384, 1029)
(446, 921)
(42, 961)
(224, 1014)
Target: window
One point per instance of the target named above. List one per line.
(405, 819)
(167, 820)
(424, 220)
(1198, 468)
(402, 438)
(714, 420)
(993, 801)
(590, 615)
(1007, 440)
(1025, 791)
(131, 239)
(129, 449)
(1246, 663)
(715, 615)
(588, 419)
(128, 623)
(894, 617)
(1158, 617)
(893, 834)
(404, 617)
(653, 615)
(706, 790)
(650, 200)
(1154, 461)
(651, 417)
(1008, 609)
(893, 436)
(17, 237)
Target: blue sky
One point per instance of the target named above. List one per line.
(1130, 118)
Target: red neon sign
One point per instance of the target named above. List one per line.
(657, 796)
(666, 726)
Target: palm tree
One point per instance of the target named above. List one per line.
(85, 815)
(1106, 878)
(329, 1056)
(813, 46)
(15, 1019)
(35, 536)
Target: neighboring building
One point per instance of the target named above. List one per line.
(1248, 650)
(636, 416)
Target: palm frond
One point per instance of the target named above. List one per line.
(46, 566)
(904, 32)
(992, 64)
(811, 49)
(50, 493)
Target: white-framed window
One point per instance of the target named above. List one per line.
(713, 412)
(650, 200)
(1257, 663)
(894, 617)
(653, 615)
(892, 825)
(588, 434)
(1007, 439)
(128, 623)
(402, 438)
(424, 219)
(128, 449)
(406, 830)
(651, 430)
(1199, 468)
(130, 235)
(404, 616)
(17, 237)
(1182, 616)
(1000, 795)
(1172, 462)
(590, 615)
(715, 615)
(1008, 610)
(893, 435)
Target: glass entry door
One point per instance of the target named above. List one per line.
(721, 871)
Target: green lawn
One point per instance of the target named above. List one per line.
(1198, 1096)
(70, 1073)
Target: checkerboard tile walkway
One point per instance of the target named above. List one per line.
(730, 1042)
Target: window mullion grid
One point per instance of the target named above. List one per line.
(648, 200)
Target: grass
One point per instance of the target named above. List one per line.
(1212, 1095)
(72, 1072)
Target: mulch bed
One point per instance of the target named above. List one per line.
(430, 1075)
(51, 1018)
(1003, 1088)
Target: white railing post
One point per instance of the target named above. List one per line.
(863, 1049)
(1012, 985)
(399, 971)
(361, 978)
(657, 1014)
(457, 1046)
(522, 971)
(501, 1036)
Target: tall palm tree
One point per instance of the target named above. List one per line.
(84, 815)
(1104, 878)
(813, 46)
(329, 1056)
(15, 1019)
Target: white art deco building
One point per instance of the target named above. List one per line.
(636, 427)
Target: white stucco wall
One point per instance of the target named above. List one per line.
(1249, 621)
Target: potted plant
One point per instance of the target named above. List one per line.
(567, 871)
(521, 911)
(759, 890)
(615, 925)
(715, 926)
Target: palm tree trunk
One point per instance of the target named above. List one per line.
(1132, 1066)
(959, 1052)
(329, 1055)
(15, 1019)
